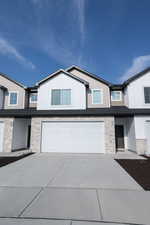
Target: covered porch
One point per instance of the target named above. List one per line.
(125, 134)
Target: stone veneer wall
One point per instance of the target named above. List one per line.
(36, 131)
(8, 133)
(141, 146)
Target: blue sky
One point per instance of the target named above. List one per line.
(110, 38)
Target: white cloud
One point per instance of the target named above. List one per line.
(7, 49)
(138, 64)
(64, 47)
(80, 7)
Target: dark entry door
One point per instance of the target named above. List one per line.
(119, 132)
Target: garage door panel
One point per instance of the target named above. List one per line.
(73, 137)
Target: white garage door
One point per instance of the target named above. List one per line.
(73, 137)
(1, 135)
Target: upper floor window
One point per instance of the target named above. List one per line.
(116, 96)
(97, 97)
(61, 97)
(13, 98)
(33, 97)
(147, 95)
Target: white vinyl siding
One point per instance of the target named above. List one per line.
(147, 95)
(13, 98)
(73, 137)
(97, 96)
(116, 96)
(61, 97)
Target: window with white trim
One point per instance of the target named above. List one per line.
(116, 96)
(97, 97)
(61, 97)
(147, 95)
(33, 97)
(13, 98)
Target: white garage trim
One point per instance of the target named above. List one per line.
(73, 136)
(1, 135)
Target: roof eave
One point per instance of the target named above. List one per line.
(90, 74)
(65, 72)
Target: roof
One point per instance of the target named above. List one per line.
(136, 76)
(32, 89)
(89, 74)
(5, 76)
(117, 111)
(65, 72)
(2, 87)
(116, 87)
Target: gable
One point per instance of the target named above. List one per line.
(7, 82)
(137, 76)
(60, 72)
(86, 75)
(143, 80)
(60, 81)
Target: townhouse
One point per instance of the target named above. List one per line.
(74, 111)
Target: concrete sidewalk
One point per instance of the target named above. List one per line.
(66, 189)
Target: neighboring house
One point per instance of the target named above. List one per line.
(74, 111)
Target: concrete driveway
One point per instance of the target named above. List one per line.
(70, 189)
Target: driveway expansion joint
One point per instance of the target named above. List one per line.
(30, 202)
(55, 175)
(100, 208)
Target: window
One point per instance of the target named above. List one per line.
(116, 96)
(97, 96)
(33, 97)
(147, 95)
(13, 98)
(61, 97)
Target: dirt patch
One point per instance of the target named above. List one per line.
(139, 169)
(7, 160)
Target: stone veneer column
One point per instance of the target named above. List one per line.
(141, 146)
(110, 135)
(35, 134)
(8, 134)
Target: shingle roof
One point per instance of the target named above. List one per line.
(136, 76)
(65, 72)
(19, 84)
(89, 74)
(117, 111)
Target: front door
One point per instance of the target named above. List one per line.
(29, 136)
(119, 132)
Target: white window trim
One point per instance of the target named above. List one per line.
(146, 104)
(101, 90)
(118, 100)
(61, 104)
(9, 98)
(31, 99)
